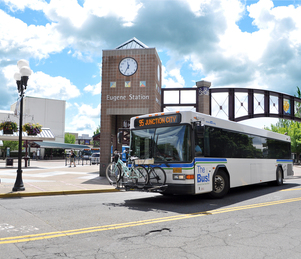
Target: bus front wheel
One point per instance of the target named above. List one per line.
(279, 176)
(220, 185)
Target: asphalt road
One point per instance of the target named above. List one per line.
(253, 222)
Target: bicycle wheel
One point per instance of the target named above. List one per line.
(142, 175)
(113, 173)
(157, 176)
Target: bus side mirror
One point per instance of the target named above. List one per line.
(119, 137)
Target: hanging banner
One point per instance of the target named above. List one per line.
(17, 108)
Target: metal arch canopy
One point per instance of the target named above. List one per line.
(256, 103)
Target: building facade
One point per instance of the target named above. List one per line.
(50, 113)
(131, 86)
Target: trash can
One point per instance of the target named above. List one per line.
(9, 161)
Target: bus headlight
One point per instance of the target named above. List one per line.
(183, 177)
(178, 177)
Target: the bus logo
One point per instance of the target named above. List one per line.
(202, 177)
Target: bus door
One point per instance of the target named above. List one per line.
(203, 166)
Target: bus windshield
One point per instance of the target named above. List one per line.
(165, 144)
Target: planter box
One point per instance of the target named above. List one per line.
(8, 132)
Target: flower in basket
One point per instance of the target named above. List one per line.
(32, 128)
(9, 126)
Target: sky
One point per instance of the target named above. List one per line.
(231, 43)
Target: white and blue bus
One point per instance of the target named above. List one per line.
(203, 154)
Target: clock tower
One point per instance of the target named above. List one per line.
(131, 86)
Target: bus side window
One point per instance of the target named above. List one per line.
(199, 141)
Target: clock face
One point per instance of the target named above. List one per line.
(128, 66)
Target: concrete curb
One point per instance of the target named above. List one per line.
(33, 194)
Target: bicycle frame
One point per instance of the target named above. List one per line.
(127, 171)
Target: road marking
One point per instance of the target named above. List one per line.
(294, 189)
(35, 237)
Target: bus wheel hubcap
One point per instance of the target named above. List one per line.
(219, 184)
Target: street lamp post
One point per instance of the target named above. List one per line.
(21, 80)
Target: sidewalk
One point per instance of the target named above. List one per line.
(52, 177)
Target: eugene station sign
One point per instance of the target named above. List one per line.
(130, 97)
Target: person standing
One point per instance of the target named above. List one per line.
(72, 158)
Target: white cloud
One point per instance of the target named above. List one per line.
(94, 89)
(126, 10)
(43, 85)
(21, 4)
(172, 78)
(85, 120)
(70, 10)
(89, 111)
(19, 39)
(68, 105)
(82, 124)
(197, 6)
(261, 13)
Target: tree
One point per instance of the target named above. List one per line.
(69, 138)
(97, 130)
(13, 145)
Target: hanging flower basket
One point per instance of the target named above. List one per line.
(8, 127)
(8, 132)
(32, 129)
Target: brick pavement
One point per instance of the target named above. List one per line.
(52, 177)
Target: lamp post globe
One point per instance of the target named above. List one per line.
(21, 80)
(17, 76)
(22, 63)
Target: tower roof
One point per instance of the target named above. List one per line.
(132, 44)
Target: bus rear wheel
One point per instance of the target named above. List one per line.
(220, 185)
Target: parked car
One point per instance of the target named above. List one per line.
(95, 158)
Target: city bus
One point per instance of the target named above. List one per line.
(204, 154)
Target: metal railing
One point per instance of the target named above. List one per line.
(78, 161)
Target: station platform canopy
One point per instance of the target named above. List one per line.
(43, 140)
(52, 144)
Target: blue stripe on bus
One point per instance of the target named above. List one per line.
(284, 161)
(221, 160)
(197, 160)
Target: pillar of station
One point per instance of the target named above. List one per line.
(203, 96)
(131, 86)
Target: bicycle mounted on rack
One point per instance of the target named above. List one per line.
(137, 174)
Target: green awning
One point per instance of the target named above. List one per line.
(51, 144)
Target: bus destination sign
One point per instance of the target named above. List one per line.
(163, 120)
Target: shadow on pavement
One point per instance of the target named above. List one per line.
(187, 204)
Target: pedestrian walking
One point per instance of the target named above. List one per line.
(72, 158)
